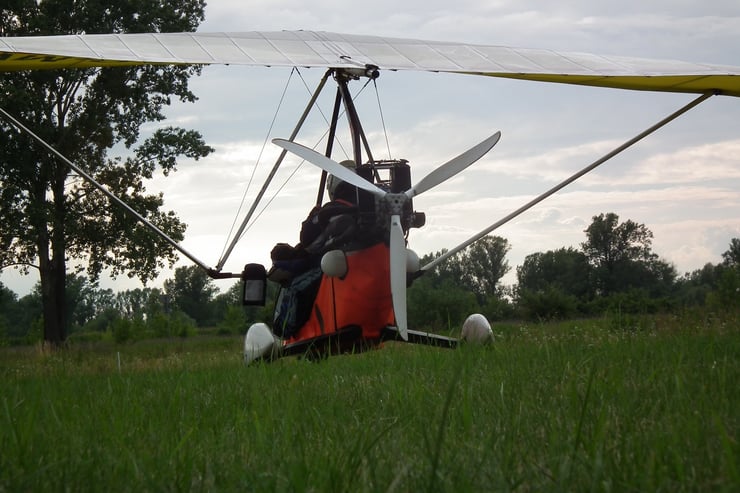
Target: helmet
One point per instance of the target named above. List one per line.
(332, 182)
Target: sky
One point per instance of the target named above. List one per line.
(682, 182)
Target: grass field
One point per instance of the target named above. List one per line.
(576, 406)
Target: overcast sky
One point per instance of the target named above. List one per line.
(683, 182)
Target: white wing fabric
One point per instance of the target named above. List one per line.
(333, 50)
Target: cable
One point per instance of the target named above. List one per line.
(382, 120)
(257, 162)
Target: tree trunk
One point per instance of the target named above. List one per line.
(53, 301)
(53, 268)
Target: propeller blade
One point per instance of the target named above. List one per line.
(328, 165)
(398, 275)
(453, 166)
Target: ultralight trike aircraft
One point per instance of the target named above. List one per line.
(344, 287)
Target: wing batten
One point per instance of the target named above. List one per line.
(333, 50)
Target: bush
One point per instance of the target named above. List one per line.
(35, 333)
(122, 330)
(102, 322)
(548, 304)
(727, 295)
(86, 336)
(4, 339)
(633, 301)
(175, 324)
(496, 308)
(234, 322)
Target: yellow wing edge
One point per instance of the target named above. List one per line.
(13, 62)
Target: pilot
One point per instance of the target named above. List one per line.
(325, 227)
(298, 268)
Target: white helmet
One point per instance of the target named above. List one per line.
(332, 182)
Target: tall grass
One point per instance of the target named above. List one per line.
(563, 407)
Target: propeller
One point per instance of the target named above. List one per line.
(394, 205)
(330, 166)
(453, 166)
(398, 275)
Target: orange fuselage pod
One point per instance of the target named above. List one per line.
(361, 298)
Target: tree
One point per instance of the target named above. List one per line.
(731, 257)
(228, 305)
(726, 295)
(8, 307)
(553, 283)
(565, 269)
(28, 313)
(484, 264)
(478, 269)
(85, 301)
(140, 303)
(48, 214)
(191, 292)
(620, 254)
(461, 284)
(435, 304)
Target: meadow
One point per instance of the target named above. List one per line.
(586, 405)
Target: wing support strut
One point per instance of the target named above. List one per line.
(359, 139)
(113, 198)
(329, 145)
(692, 104)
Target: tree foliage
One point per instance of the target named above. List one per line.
(191, 291)
(731, 257)
(621, 256)
(460, 285)
(484, 264)
(553, 284)
(49, 214)
(479, 268)
(564, 269)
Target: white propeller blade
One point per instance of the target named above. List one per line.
(398, 275)
(453, 166)
(328, 165)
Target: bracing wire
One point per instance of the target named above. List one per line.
(292, 173)
(259, 158)
(279, 189)
(382, 120)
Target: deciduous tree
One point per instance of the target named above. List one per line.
(565, 269)
(478, 269)
(192, 292)
(484, 264)
(48, 214)
(732, 256)
(622, 257)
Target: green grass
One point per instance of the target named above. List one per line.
(576, 406)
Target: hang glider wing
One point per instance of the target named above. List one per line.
(332, 50)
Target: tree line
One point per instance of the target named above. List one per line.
(187, 303)
(614, 269)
